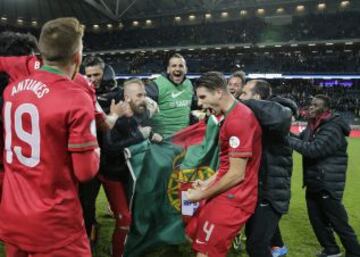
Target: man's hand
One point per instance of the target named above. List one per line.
(156, 138)
(195, 195)
(151, 106)
(200, 184)
(203, 184)
(145, 131)
(120, 109)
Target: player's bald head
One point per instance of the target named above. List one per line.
(134, 94)
(132, 85)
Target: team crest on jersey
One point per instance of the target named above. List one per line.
(234, 142)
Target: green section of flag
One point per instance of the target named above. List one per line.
(207, 152)
(155, 221)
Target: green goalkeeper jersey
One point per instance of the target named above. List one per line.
(175, 104)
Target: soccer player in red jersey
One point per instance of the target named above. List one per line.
(50, 145)
(230, 195)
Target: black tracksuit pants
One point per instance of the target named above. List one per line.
(88, 192)
(260, 230)
(326, 215)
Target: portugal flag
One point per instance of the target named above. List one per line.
(159, 171)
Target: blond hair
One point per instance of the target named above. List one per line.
(60, 39)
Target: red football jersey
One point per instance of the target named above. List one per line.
(240, 137)
(19, 66)
(46, 117)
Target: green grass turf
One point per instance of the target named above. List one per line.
(295, 226)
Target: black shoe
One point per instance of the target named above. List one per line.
(324, 254)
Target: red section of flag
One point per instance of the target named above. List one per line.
(191, 135)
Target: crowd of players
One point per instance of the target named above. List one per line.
(54, 121)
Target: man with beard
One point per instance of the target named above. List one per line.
(114, 173)
(236, 83)
(323, 146)
(174, 94)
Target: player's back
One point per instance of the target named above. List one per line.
(40, 202)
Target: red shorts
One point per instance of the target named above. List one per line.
(79, 248)
(214, 226)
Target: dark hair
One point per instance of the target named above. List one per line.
(262, 88)
(175, 55)
(94, 61)
(212, 80)
(325, 99)
(60, 39)
(239, 74)
(17, 44)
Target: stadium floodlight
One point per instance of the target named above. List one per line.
(95, 26)
(247, 46)
(243, 12)
(329, 44)
(3, 18)
(349, 43)
(260, 11)
(192, 17)
(109, 26)
(177, 18)
(344, 4)
(321, 6)
(148, 22)
(312, 44)
(277, 46)
(208, 16)
(34, 23)
(262, 46)
(280, 10)
(20, 21)
(300, 8)
(224, 14)
(135, 23)
(294, 45)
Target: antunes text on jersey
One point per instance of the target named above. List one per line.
(35, 86)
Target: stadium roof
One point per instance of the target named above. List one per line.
(32, 12)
